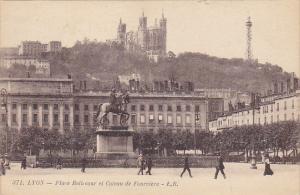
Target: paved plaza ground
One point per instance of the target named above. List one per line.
(241, 180)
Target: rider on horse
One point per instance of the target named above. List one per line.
(113, 100)
(117, 105)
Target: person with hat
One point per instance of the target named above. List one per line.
(186, 167)
(220, 167)
(268, 170)
(140, 163)
(23, 163)
(113, 98)
(2, 168)
(149, 165)
(83, 164)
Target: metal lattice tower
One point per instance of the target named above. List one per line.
(249, 38)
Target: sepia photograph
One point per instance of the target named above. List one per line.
(198, 97)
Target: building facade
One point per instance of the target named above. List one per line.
(53, 104)
(41, 66)
(272, 109)
(36, 48)
(229, 96)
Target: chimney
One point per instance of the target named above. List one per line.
(275, 87)
(296, 84)
(98, 85)
(166, 86)
(84, 85)
(80, 85)
(288, 85)
(137, 86)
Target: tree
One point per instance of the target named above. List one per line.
(164, 139)
(30, 139)
(52, 140)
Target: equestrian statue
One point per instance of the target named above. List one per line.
(117, 105)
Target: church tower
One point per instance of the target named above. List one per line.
(163, 28)
(142, 32)
(121, 36)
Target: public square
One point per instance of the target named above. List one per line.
(241, 180)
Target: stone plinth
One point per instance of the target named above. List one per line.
(114, 142)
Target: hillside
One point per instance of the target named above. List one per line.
(91, 61)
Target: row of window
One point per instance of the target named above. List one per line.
(45, 118)
(95, 107)
(160, 108)
(55, 107)
(160, 119)
(151, 119)
(229, 122)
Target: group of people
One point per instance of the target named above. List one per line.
(142, 163)
(219, 168)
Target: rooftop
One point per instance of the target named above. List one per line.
(37, 79)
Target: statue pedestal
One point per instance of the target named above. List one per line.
(114, 142)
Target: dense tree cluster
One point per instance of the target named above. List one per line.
(283, 137)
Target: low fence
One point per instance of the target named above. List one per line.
(174, 161)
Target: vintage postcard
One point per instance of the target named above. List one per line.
(150, 97)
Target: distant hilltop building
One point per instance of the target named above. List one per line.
(30, 54)
(42, 67)
(36, 48)
(151, 40)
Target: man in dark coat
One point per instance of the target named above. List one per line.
(59, 163)
(186, 167)
(149, 165)
(23, 163)
(2, 168)
(220, 167)
(113, 99)
(83, 164)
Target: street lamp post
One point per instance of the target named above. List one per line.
(197, 118)
(255, 103)
(3, 94)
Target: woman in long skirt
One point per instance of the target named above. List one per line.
(268, 170)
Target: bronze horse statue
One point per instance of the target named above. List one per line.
(119, 108)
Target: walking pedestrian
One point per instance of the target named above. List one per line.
(149, 165)
(23, 163)
(268, 170)
(186, 167)
(220, 167)
(59, 163)
(141, 163)
(2, 168)
(83, 164)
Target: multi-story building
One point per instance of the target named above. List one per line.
(30, 48)
(41, 66)
(54, 46)
(151, 40)
(275, 108)
(221, 99)
(52, 103)
(36, 48)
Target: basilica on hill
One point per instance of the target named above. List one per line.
(149, 39)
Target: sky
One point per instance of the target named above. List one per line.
(215, 27)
